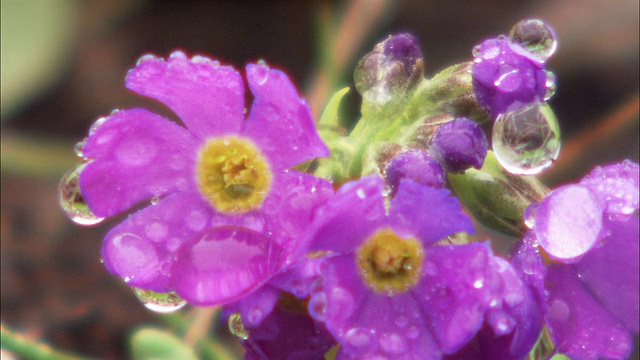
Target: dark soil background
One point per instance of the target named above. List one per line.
(53, 285)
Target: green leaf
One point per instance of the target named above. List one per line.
(330, 116)
(152, 343)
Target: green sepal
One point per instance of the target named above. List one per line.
(495, 198)
(543, 348)
(151, 343)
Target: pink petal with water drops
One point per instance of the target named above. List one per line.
(372, 324)
(426, 213)
(353, 214)
(142, 247)
(568, 222)
(293, 202)
(617, 186)
(208, 97)
(223, 265)
(137, 155)
(580, 326)
(280, 122)
(455, 292)
(611, 271)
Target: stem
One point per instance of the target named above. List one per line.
(32, 349)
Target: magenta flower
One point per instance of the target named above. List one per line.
(506, 76)
(386, 290)
(225, 211)
(589, 235)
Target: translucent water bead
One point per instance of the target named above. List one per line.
(536, 36)
(158, 301)
(526, 141)
(71, 200)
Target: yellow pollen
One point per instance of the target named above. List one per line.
(232, 174)
(389, 264)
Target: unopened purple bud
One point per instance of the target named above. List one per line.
(459, 144)
(415, 165)
(390, 70)
(506, 76)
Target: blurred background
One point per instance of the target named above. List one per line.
(64, 63)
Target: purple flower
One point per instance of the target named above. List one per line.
(226, 210)
(386, 290)
(583, 254)
(459, 144)
(506, 76)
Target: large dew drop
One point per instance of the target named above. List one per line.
(71, 200)
(536, 36)
(526, 141)
(159, 301)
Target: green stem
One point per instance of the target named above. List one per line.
(32, 349)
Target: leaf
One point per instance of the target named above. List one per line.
(151, 343)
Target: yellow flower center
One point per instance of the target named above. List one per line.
(233, 175)
(389, 264)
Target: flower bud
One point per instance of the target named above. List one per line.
(390, 70)
(459, 144)
(415, 165)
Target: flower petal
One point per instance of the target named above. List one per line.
(455, 292)
(368, 323)
(280, 122)
(611, 271)
(137, 155)
(223, 265)
(355, 212)
(427, 213)
(207, 97)
(582, 328)
(141, 248)
(568, 222)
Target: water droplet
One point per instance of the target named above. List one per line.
(393, 343)
(536, 36)
(413, 331)
(145, 58)
(255, 317)
(78, 148)
(360, 193)
(550, 84)
(101, 260)
(154, 200)
(318, 306)
(178, 55)
(71, 200)
(526, 141)
(236, 326)
(530, 215)
(359, 340)
(162, 302)
(99, 122)
(401, 321)
(478, 284)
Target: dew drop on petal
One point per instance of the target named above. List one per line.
(154, 200)
(79, 148)
(526, 141)
(413, 331)
(359, 340)
(401, 321)
(98, 123)
(145, 58)
(550, 85)
(530, 215)
(318, 306)
(71, 200)
(162, 302)
(392, 343)
(536, 36)
(236, 326)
